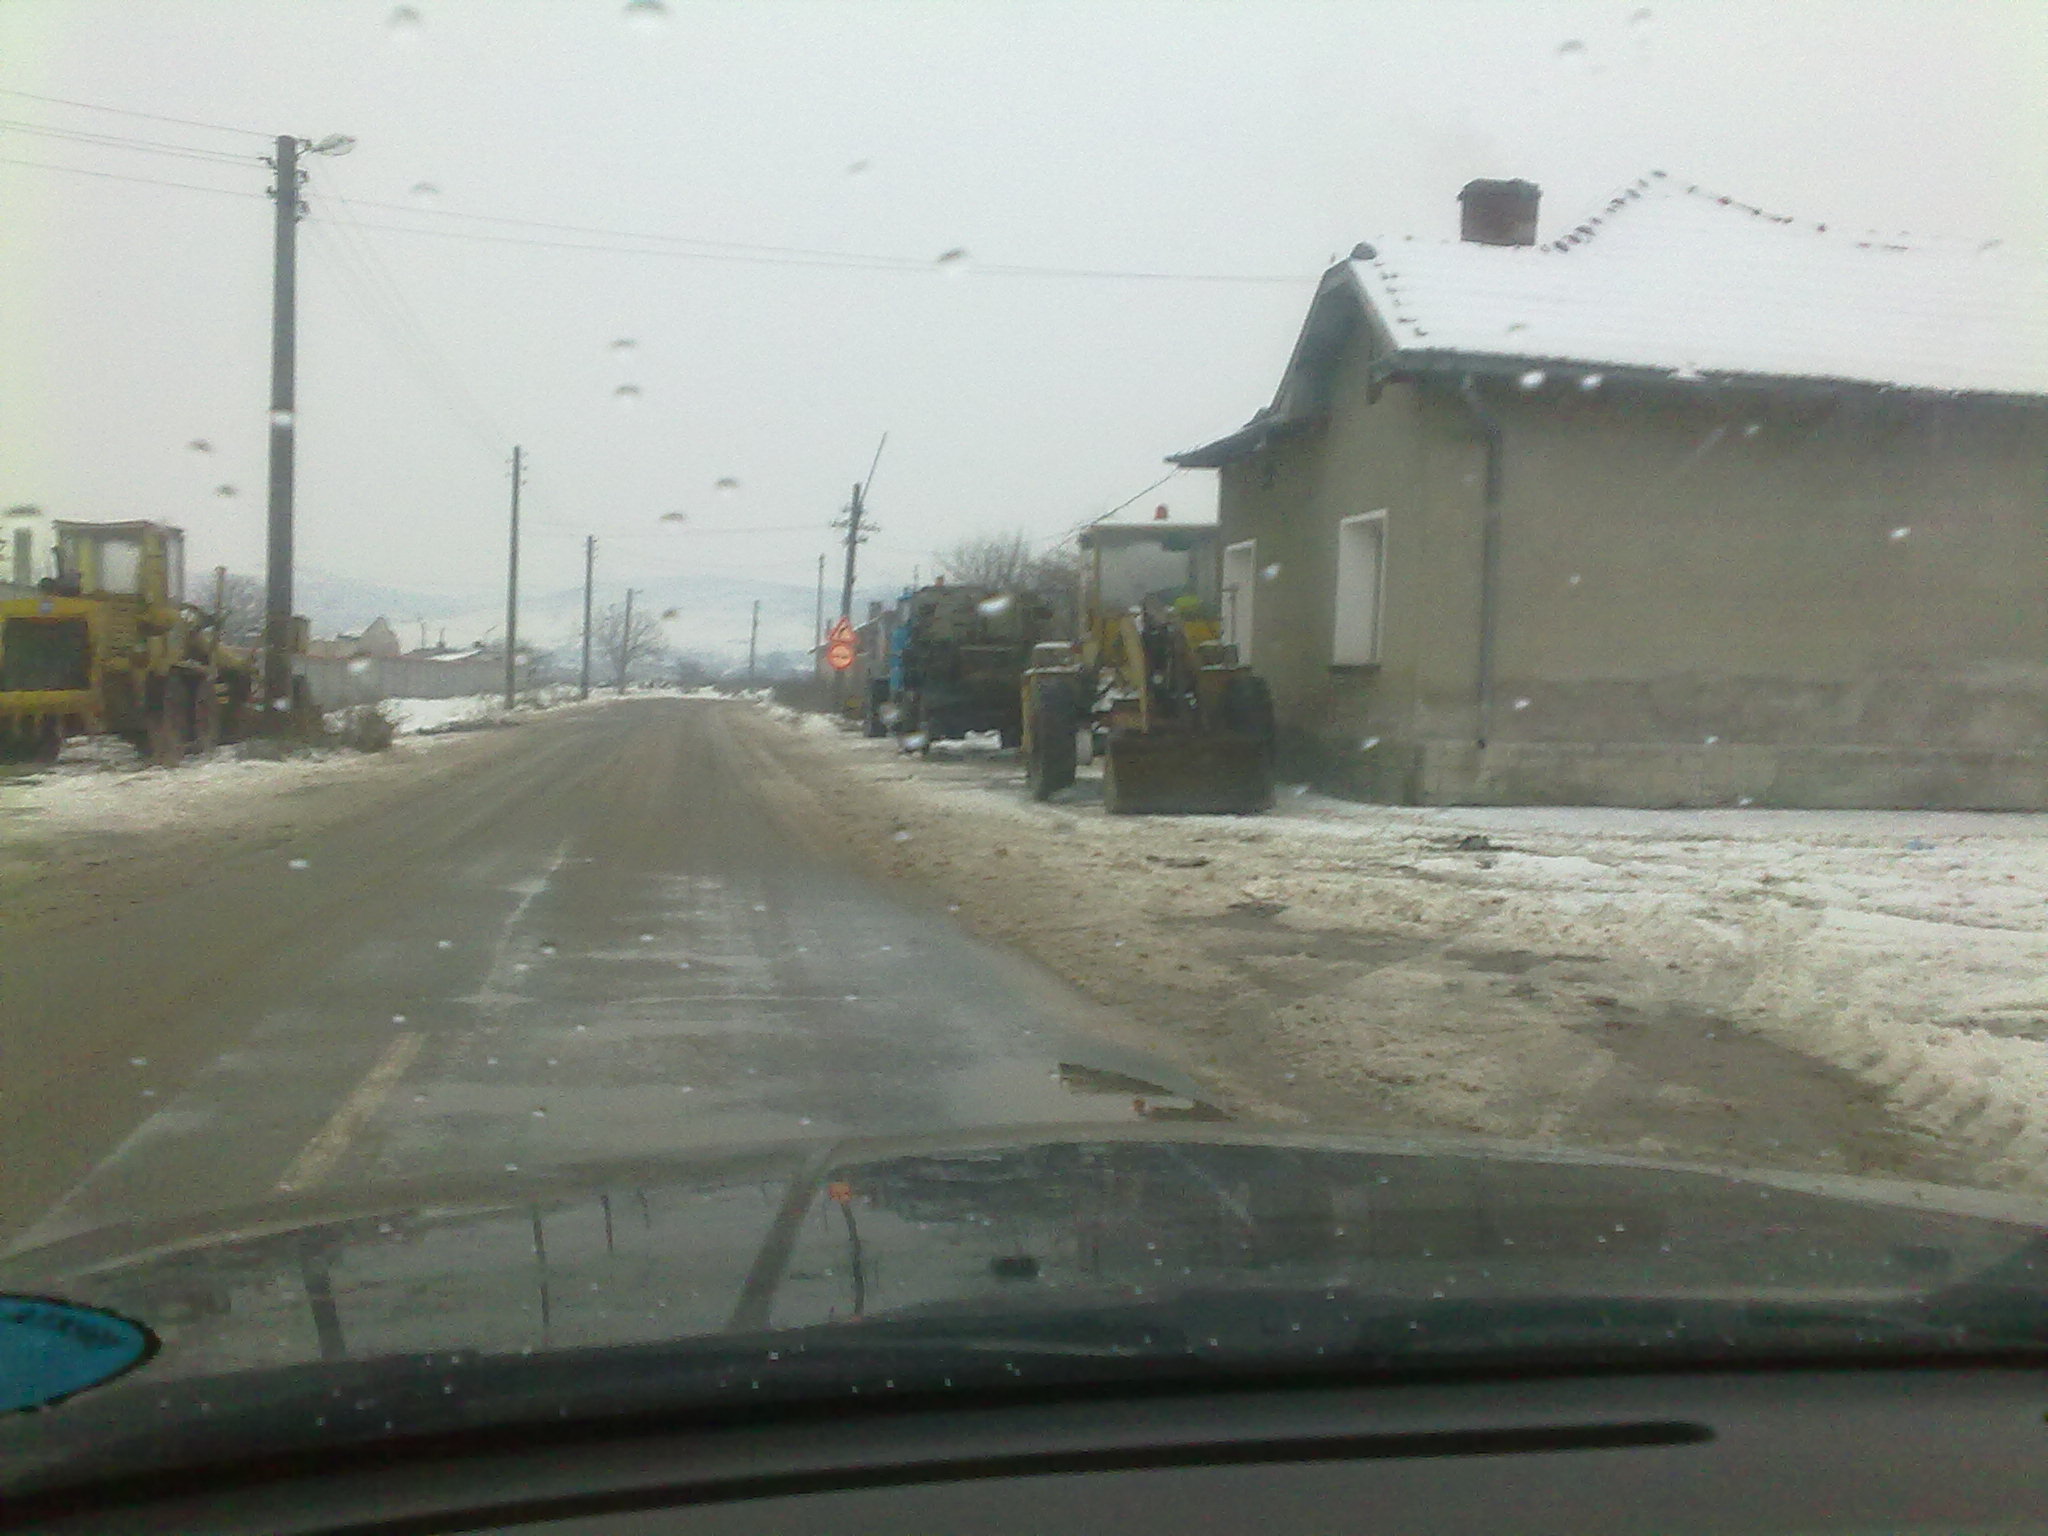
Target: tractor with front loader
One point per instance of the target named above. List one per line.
(108, 645)
(1181, 724)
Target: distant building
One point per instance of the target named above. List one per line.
(1693, 505)
(378, 640)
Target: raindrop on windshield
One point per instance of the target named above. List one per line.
(540, 1114)
(297, 864)
(398, 1018)
(1713, 741)
(404, 22)
(1533, 379)
(1751, 428)
(646, 938)
(225, 490)
(138, 1061)
(1574, 579)
(645, 15)
(1271, 572)
(857, 168)
(899, 836)
(1368, 744)
(200, 445)
(547, 949)
(1899, 533)
(1521, 703)
(1592, 381)
(1571, 48)
(675, 517)
(627, 394)
(425, 193)
(358, 666)
(953, 260)
(1640, 17)
(725, 485)
(990, 607)
(624, 344)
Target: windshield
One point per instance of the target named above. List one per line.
(1035, 673)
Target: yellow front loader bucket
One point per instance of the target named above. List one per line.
(1186, 773)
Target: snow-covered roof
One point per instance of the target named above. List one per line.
(1675, 278)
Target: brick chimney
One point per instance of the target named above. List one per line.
(1499, 212)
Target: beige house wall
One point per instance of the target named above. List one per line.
(1701, 599)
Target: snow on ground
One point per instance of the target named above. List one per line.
(1721, 983)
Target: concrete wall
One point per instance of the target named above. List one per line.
(1701, 600)
(336, 683)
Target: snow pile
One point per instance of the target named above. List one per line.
(1680, 983)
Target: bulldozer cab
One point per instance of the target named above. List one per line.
(1157, 566)
(142, 561)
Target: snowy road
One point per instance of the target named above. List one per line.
(1840, 991)
(610, 933)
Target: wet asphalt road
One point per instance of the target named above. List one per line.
(603, 941)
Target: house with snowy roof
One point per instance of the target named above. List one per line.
(1691, 504)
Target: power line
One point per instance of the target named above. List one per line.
(361, 291)
(153, 117)
(124, 141)
(147, 181)
(917, 262)
(383, 288)
(771, 256)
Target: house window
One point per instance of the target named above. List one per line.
(1240, 579)
(1361, 567)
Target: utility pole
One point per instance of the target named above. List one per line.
(512, 593)
(277, 584)
(277, 573)
(818, 623)
(753, 641)
(855, 510)
(626, 642)
(589, 567)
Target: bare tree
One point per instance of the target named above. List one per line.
(1011, 562)
(998, 560)
(242, 604)
(636, 652)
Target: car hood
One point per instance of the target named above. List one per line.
(796, 1271)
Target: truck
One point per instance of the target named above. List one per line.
(107, 644)
(955, 656)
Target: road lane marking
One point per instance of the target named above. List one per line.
(319, 1155)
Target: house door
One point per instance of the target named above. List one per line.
(1240, 582)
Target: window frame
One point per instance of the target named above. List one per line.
(1341, 648)
(1239, 600)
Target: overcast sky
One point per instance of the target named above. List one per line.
(1249, 140)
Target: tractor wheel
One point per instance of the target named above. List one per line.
(162, 712)
(1049, 762)
(205, 714)
(1248, 707)
(49, 739)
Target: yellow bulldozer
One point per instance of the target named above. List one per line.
(108, 644)
(1181, 725)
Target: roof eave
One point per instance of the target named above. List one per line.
(1420, 363)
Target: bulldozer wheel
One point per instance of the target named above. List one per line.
(205, 715)
(166, 732)
(1248, 707)
(49, 742)
(1049, 765)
